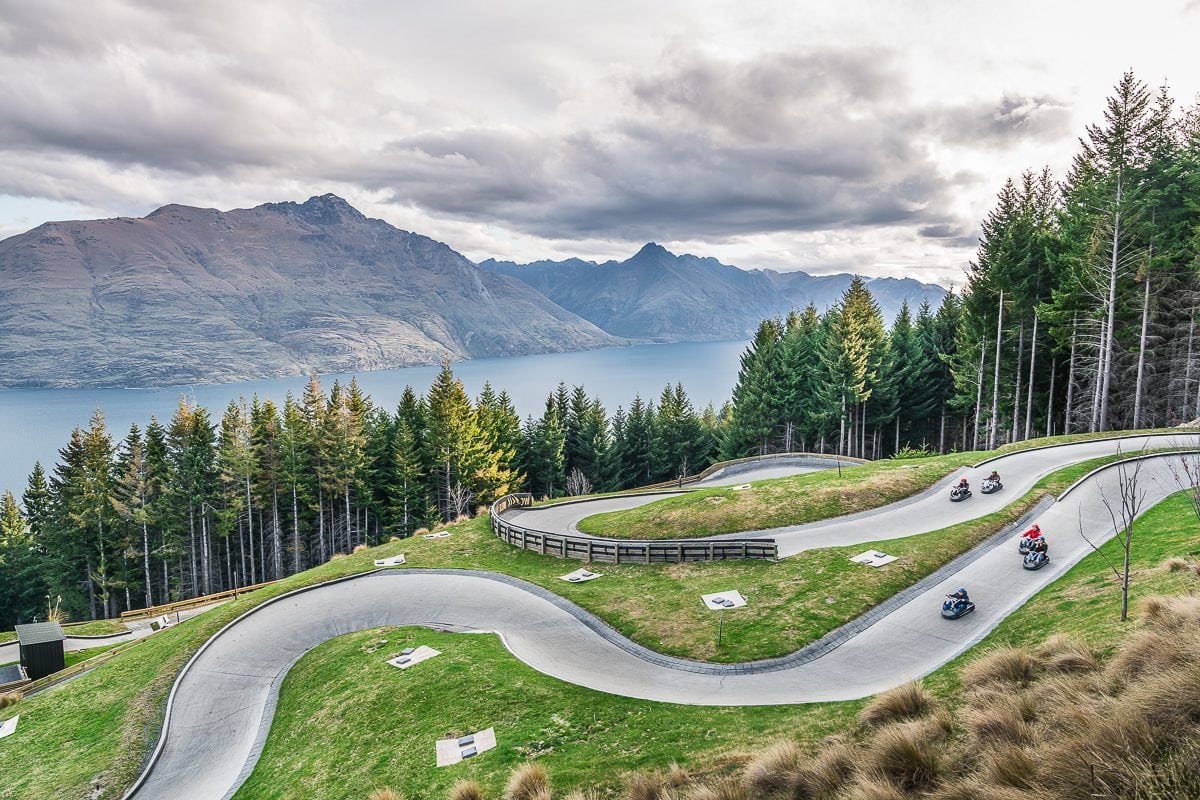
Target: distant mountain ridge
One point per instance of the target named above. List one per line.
(658, 295)
(197, 295)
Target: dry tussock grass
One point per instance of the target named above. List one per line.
(1010, 665)
(393, 538)
(1062, 653)
(1098, 757)
(358, 548)
(677, 776)
(772, 771)
(833, 767)
(385, 794)
(1149, 650)
(529, 781)
(1168, 701)
(642, 786)
(903, 702)
(725, 789)
(1177, 564)
(976, 788)
(1010, 766)
(997, 724)
(420, 531)
(872, 788)
(466, 790)
(9, 699)
(907, 754)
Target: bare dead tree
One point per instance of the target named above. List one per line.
(1185, 471)
(1122, 510)
(459, 498)
(578, 483)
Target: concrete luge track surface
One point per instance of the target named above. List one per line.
(222, 703)
(927, 511)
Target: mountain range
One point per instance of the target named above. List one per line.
(661, 296)
(191, 295)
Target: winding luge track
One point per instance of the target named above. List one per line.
(928, 511)
(222, 703)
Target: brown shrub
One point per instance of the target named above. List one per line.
(1064, 653)
(9, 699)
(903, 702)
(906, 753)
(529, 781)
(677, 776)
(582, 794)
(420, 531)
(1010, 766)
(998, 723)
(977, 788)
(1097, 757)
(385, 794)
(466, 790)
(393, 538)
(725, 789)
(833, 768)
(1176, 564)
(642, 786)
(337, 556)
(459, 518)
(1003, 665)
(872, 789)
(1168, 701)
(1149, 651)
(771, 771)
(1154, 610)
(358, 548)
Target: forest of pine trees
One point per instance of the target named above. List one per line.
(200, 505)
(1079, 314)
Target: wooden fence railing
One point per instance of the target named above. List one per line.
(181, 605)
(621, 551)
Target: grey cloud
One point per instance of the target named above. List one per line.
(1009, 120)
(707, 148)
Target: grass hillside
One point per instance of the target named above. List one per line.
(348, 723)
(109, 717)
(798, 499)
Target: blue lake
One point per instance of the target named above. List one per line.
(35, 423)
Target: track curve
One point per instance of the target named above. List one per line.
(926, 511)
(222, 703)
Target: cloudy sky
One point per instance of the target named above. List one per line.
(825, 136)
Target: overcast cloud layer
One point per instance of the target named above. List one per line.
(867, 137)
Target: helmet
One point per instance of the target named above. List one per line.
(962, 590)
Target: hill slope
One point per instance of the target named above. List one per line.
(198, 295)
(662, 296)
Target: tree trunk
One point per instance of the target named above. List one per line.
(996, 376)
(295, 530)
(146, 556)
(192, 548)
(205, 559)
(321, 523)
(1187, 371)
(1141, 367)
(1032, 364)
(276, 536)
(250, 526)
(1068, 412)
(1112, 311)
(91, 590)
(1050, 401)
(1017, 390)
(942, 431)
(978, 395)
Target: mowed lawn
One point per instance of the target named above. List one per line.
(348, 723)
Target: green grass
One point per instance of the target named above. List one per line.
(1087, 600)
(341, 702)
(109, 718)
(360, 723)
(776, 502)
(794, 500)
(100, 627)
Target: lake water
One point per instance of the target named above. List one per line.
(35, 423)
